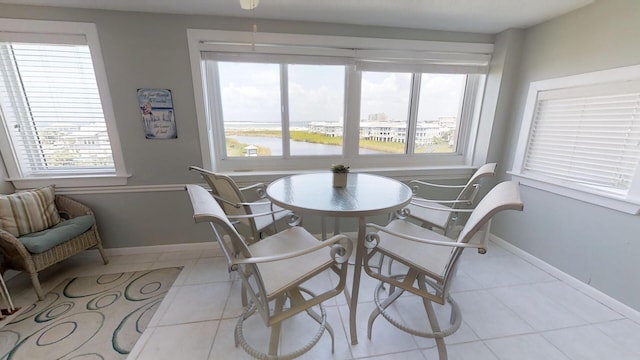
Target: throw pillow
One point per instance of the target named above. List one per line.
(28, 211)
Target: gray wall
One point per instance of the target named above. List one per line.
(150, 50)
(596, 245)
(5, 187)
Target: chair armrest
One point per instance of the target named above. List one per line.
(259, 188)
(342, 250)
(11, 248)
(249, 216)
(417, 199)
(71, 207)
(294, 219)
(373, 239)
(237, 205)
(414, 184)
(447, 209)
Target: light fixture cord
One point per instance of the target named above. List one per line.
(255, 26)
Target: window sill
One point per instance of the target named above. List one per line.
(585, 194)
(69, 181)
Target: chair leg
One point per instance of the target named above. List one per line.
(393, 295)
(6, 297)
(36, 284)
(296, 297)
(274, 323)
(433, 321)
(315, 316)
(274, 340)
(105, 259)
(243, 295)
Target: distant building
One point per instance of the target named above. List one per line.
(332, 129)
(383, 131)
(377, 117)
(450, 122)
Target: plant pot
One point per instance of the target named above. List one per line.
(339, 180)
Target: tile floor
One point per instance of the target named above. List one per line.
(510, 309)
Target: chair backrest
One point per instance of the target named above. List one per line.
(470, 190)
(504, 196)
(206, 209)
(229, 196)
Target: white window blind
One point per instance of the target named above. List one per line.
(588, 135)
(52, 110)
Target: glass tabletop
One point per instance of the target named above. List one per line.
(364, 195)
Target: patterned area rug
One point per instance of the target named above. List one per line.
(88, 318)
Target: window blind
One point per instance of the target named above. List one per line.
(589, 136)
(52, 108)
(369, 54)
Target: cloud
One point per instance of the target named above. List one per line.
(251, 93)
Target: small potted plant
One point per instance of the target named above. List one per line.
(340, 172)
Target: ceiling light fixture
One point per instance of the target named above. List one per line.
(249, 4)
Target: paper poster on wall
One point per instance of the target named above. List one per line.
(156, 107)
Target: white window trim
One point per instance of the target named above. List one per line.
(90, 32)
(474, 56)
(629, 204)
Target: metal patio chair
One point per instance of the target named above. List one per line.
(424, 262)
(274, 270)
(444, 214)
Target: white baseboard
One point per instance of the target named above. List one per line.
(141, 250)
(588, 290)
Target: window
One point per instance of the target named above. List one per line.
(251, 99)
(388, 120)
(301, 102)
(583, 133)
(53, 108)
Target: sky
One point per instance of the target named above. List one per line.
(251, 92)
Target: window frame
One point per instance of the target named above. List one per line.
(51, 31)
(628, 203)
(361, 53)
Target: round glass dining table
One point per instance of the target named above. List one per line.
(365, 195)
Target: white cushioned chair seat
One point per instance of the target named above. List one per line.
(432, 259)
(432, 216)
(262, 206)
(281, 274)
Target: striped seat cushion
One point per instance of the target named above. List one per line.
(29, 211)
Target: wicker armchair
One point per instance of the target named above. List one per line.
(17, 257)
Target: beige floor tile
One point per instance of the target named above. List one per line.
(196, 303)
(511, 310)
(184, 341)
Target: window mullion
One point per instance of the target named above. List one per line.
(284, 110)
(468, 116)
(351, 134)
(410, 143)
(216, 124)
